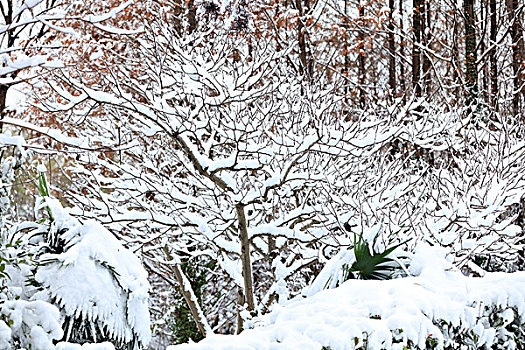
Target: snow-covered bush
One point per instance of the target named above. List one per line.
(84, 286)
(24, 322)
(99, 286)
(437, 308)
(33, 324)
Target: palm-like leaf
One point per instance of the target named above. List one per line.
(372, 265)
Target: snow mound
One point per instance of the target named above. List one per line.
(439, 307)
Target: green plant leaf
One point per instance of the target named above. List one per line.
(372, 265)
(44, 191)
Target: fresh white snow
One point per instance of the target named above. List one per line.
(385, 314)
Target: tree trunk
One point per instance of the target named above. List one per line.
(192, 16)
(392, 49)
(8, 19)
(189, 296)
(484, 18)
(178, 10)
(402, 54)
(456, 64)
(416, 50)
(470, 53)
(346, 68)
(516, 33)
(425, 34)
(361, 55)
(3, 98)
(492, 57)
(245, 259)
(305, 66)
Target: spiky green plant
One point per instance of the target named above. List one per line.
(371, 265)
(44, 191)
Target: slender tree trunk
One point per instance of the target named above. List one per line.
(516, 34)
(402, 54)
(305, 66)
(456, 65)
(346, 68)
(416, 50)
(484, 18)
(392, 49)
(246, 261)
(3, 98)
(7, 14)
(361, 56)
(470, 52)
(178, 12)
(425, 34)
(492, 57)
(189, 296)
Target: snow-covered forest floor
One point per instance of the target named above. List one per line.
(269, 174)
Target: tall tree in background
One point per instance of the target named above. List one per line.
(346, 49)
(493, 56)
(305, 60)
(425, 33)
(516, 34)
(416, 47)
(471, 56)
(361, 53)
(392, 49)
(402, 83)
(455, 56)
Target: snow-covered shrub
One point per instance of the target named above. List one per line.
(99, 286)
(437, 308)
(32, 324)
(24, 323)
(84, 286)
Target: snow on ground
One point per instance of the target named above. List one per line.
(387, 314)
(87, 346)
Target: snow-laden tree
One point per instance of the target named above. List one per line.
(31, 33)
(224, 154)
